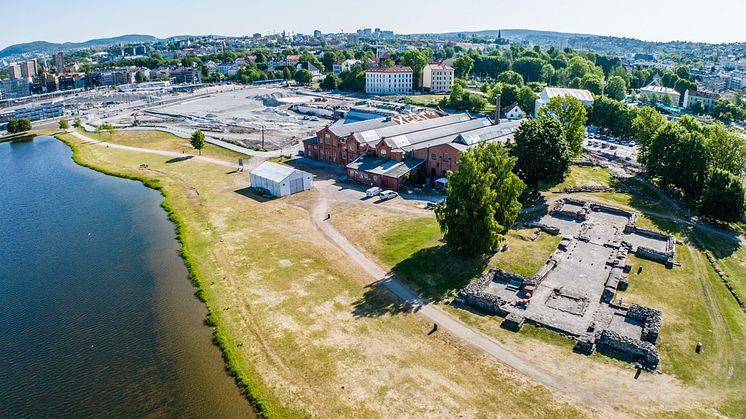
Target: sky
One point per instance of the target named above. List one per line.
(655, 20)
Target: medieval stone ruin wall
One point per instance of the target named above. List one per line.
(629, 348)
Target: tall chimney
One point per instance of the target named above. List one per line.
(497, 108)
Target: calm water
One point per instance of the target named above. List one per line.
(97, 316)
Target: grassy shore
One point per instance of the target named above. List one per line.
(297, 326)
(697, 307)
(22, 136)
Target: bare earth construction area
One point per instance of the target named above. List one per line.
(573, 293)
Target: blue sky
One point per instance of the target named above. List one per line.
(658, 20)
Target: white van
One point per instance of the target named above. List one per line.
(385, 195)
(373, 191)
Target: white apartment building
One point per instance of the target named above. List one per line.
(708, 99)
(388, 80)
(437, 78)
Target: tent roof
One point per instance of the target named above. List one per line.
(273, 171)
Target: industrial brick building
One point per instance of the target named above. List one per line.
(418, 148)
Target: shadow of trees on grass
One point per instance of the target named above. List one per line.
(433, 273)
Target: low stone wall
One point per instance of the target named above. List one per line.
(626, 347)
(591, 189)
(651, 320)
(724, 278)
(611, 210)
(514, 321)
(652, 254)
(581, 214)
(474, 295)
(545, 228)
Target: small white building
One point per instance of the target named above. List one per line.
(437, 78)
(585, 97)
(280, 180)
(388, 80)
(514, 112)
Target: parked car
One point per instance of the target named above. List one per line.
(386, 195)
(373, 191)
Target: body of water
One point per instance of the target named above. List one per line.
(97, 315)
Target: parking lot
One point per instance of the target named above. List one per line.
(608, 146)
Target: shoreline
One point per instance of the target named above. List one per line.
(245, 383)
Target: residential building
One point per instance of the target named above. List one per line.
(708, 99)
(59, 62)
(344, 65)
(657, 93)
(29, 68)
(585, 97)
(385, 153)
(317, 34)
(186, 75)
(514, 112)
(437, 78)
(14, 71)
(388, 80)
(279, 180)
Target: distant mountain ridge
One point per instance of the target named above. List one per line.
(51, 47)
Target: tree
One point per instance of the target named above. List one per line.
(612, 116)
(572, 116)
(722, 196)
(140, 76)
(542, 152)
(645, 125)
(12, 126)
(64, 124)
(330, 82)
(510, 77)
(526, 99)
(547, 73)
(476, 103)
(417, 61)
(529, 67)
(679, 157)
(697, 108)
(198, 140)
(593, 83)
(482, 200)
(616, 88)
(23, 125)
(77, 123)
(727, 150)
(462, 66)
(303, 76)
(666, 100)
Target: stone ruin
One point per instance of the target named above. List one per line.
(574, 292)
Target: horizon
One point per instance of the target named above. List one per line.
(721, 20)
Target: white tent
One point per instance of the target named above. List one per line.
(441, 183)
(280, 180)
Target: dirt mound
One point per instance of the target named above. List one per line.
(272, 99)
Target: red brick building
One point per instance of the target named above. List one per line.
(386, 152)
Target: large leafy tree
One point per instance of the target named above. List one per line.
(330, 82)
(722, 196)
(612, 116)
(727, 150)
(482, 200)
(571, 115)
(529, 68)
(616, 88)
(647, 122)
(198, 140)
(462, 66)
(542, 152)
(679, 157)
(510, 77)
(417, 61)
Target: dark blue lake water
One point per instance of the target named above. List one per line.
(97, 316)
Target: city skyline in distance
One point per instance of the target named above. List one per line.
(81, 20)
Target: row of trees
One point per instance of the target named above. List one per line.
(705, 162)
(16, 126)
